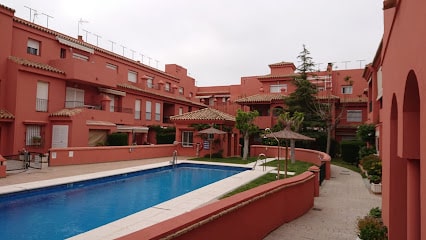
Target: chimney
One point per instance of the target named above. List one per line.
(329, 67)
(80, 38)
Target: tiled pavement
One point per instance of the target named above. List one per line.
(342, 200)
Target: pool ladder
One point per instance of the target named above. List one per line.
(261, 157)
(174, 158)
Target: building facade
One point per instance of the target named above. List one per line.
(57, 91)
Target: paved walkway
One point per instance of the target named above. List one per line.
(342, 200)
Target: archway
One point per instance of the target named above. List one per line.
(411, 152)
(395, 182)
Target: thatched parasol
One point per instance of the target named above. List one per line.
(211, 130)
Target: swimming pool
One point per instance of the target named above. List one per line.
(65, 210)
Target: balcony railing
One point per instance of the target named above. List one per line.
(81, 104)
(41, 105)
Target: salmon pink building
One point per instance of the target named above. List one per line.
(57, 91)
(397, 93)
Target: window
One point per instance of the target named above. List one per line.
(33, 135)
(167, 87)
(354, 115)
(211, 101)
(149, 83)
(80, 57)
(112, 103)
(33, 47)
(148, 110)
(132, 76)
(187, 139)
(180, 111)
(347, 89)
(111, 66)
(278, 88)
(63, 53)
(74, 97)
(157, 111)
(181, 90)
(42, 96)
(138, 109)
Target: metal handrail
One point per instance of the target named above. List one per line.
(261, 156)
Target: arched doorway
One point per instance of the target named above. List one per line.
(411, 152)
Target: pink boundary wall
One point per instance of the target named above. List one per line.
(248, 215)
(86, 155)
(306, 155)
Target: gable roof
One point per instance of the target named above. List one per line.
(28, 63)
(4, 114)
(209, 114)
(261, 98)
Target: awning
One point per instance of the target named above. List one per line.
(112, 91)
(208, 96)
(99, 123)
(136, 129)
(75, 45)
(223, 95)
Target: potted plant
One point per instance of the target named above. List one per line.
(375, 176)
(36, 140)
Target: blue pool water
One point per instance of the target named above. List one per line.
(66, 210)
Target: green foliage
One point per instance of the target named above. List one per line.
(375, 172)
(164, 135)
(366, 133)
(349, 150)
(245, 121)
(117, 139)
(368, 161)
(371, 226)
(365, 151)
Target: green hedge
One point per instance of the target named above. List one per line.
(117, 139)
(350, 150)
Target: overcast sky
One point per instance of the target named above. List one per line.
(219, 41)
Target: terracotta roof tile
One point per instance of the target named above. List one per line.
(281, 64)
(4, 114)
(204, 114)
(354, 100)
(7, 8)
(292, 75)
(261, 98)
(66, 112)
(180, 98)
(28, 63)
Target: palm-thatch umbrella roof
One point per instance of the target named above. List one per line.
(288, 134)
(212, 130)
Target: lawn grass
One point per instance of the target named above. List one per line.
(339, 162)
(298, 167)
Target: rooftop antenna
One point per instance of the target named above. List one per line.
(133, 53)
(149, 61)
(360, 63)
(81, 21)
(156, 63)
(123, 49)
(47, 19)
(346, 64)
(31, 10)
(84, 30)
(35, 15)
(112, 45)
(141, 56)
(97, 38)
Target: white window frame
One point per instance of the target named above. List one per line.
(150, 83)
(148, 110)
(347, 89)
(138, 103)
(277, 88)
(181, 90)
(354, 116)
(33, 47)
(167, 87)
(157, 111)
(42, 96)
(74, 97)
(132, 76)
(180, 110)
(379, 83)
(187, 138)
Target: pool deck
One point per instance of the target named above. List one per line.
(343, 199)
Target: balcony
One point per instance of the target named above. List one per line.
(88, 71)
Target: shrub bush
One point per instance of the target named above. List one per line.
(371, 227)
(368, 161)
(117, 139)
(349, 151)
(365, 151)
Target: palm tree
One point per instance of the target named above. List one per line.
(294, 122)
(245, 123)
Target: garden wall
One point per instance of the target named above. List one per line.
(305, 155)
(252, 214)
(85, 155)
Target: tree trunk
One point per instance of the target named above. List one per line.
(292, 150)
(328, 139)
(246, 144)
